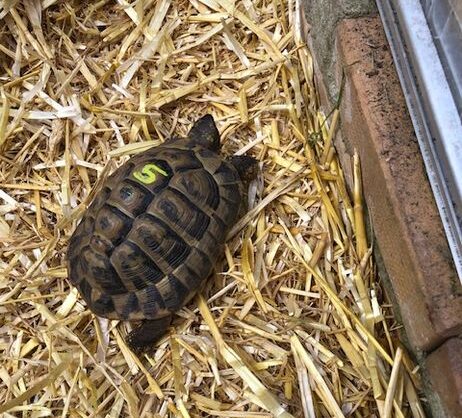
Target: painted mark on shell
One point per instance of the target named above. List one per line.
(148, 174)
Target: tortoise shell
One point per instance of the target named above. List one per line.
(157, 227)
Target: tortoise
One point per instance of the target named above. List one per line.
(156, 229)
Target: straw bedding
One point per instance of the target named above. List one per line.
(293, 323)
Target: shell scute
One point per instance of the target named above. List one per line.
(101, 273)
(135, 266)
(200, 187)
(175, 209)
(151, 301)
(130, 195)
(158, 240)
(101, 244)
(112, 224)
(103, 305)
(173, 292)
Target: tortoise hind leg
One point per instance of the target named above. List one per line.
(146, 334)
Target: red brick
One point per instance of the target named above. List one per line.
(444, 366)
(375, 121)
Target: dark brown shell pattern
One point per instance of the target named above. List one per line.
(154, 232)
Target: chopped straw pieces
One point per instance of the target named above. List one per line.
(294, 322)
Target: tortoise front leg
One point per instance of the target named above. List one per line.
(142, 338)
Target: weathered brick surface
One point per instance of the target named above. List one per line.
(406, 223)
(444, 366)
(404, 216)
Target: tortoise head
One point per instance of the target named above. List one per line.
(205, 133)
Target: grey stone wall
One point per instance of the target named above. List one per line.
(322, 16)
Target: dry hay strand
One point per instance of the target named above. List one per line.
(294, 323)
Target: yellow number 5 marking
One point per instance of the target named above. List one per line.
(147, 174)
